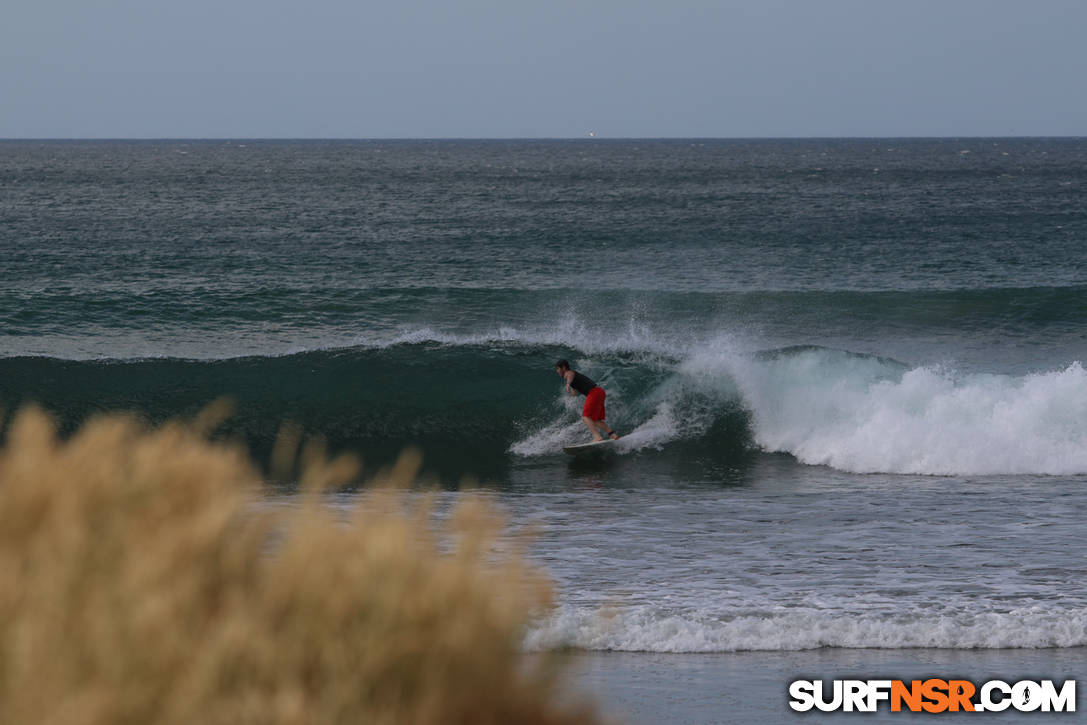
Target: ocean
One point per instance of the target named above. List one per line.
(847, 372)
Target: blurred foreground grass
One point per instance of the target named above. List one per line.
(141, 582)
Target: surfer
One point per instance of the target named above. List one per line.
(592, 414)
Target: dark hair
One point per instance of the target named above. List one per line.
(564, 364)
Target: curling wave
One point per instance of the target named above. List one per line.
(485, 401)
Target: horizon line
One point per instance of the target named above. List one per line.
(7, 139)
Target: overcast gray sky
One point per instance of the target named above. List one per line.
(545, 68)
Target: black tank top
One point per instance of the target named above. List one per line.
(582, 384)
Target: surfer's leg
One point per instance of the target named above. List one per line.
(606, 430)
(591, 425)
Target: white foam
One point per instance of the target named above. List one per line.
(928, 421)
(648, 629)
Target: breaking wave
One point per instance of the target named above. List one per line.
(495, 398)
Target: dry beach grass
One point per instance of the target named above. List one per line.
(141, 582)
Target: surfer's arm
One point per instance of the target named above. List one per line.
(568, 377)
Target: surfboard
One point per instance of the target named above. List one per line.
(590, 446)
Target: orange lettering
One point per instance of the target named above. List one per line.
(911, 695)
(935, 692)
(959, 694)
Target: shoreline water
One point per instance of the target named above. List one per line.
(752, 687)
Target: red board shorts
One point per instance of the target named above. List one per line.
(594, 404)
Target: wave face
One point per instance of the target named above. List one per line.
(483, 403)
(460, 404)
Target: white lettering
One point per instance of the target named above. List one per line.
(854, 695)
(835, 701)
(1026, 696)
(1063, 701)
(991, 705)
(802, 693)
(878, 690)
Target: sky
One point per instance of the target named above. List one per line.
(545, 68)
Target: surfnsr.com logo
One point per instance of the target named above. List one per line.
(932, 695)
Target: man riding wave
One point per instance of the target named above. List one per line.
(592, 413)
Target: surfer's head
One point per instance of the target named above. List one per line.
(562, 366)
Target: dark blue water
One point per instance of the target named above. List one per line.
(847, 371)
